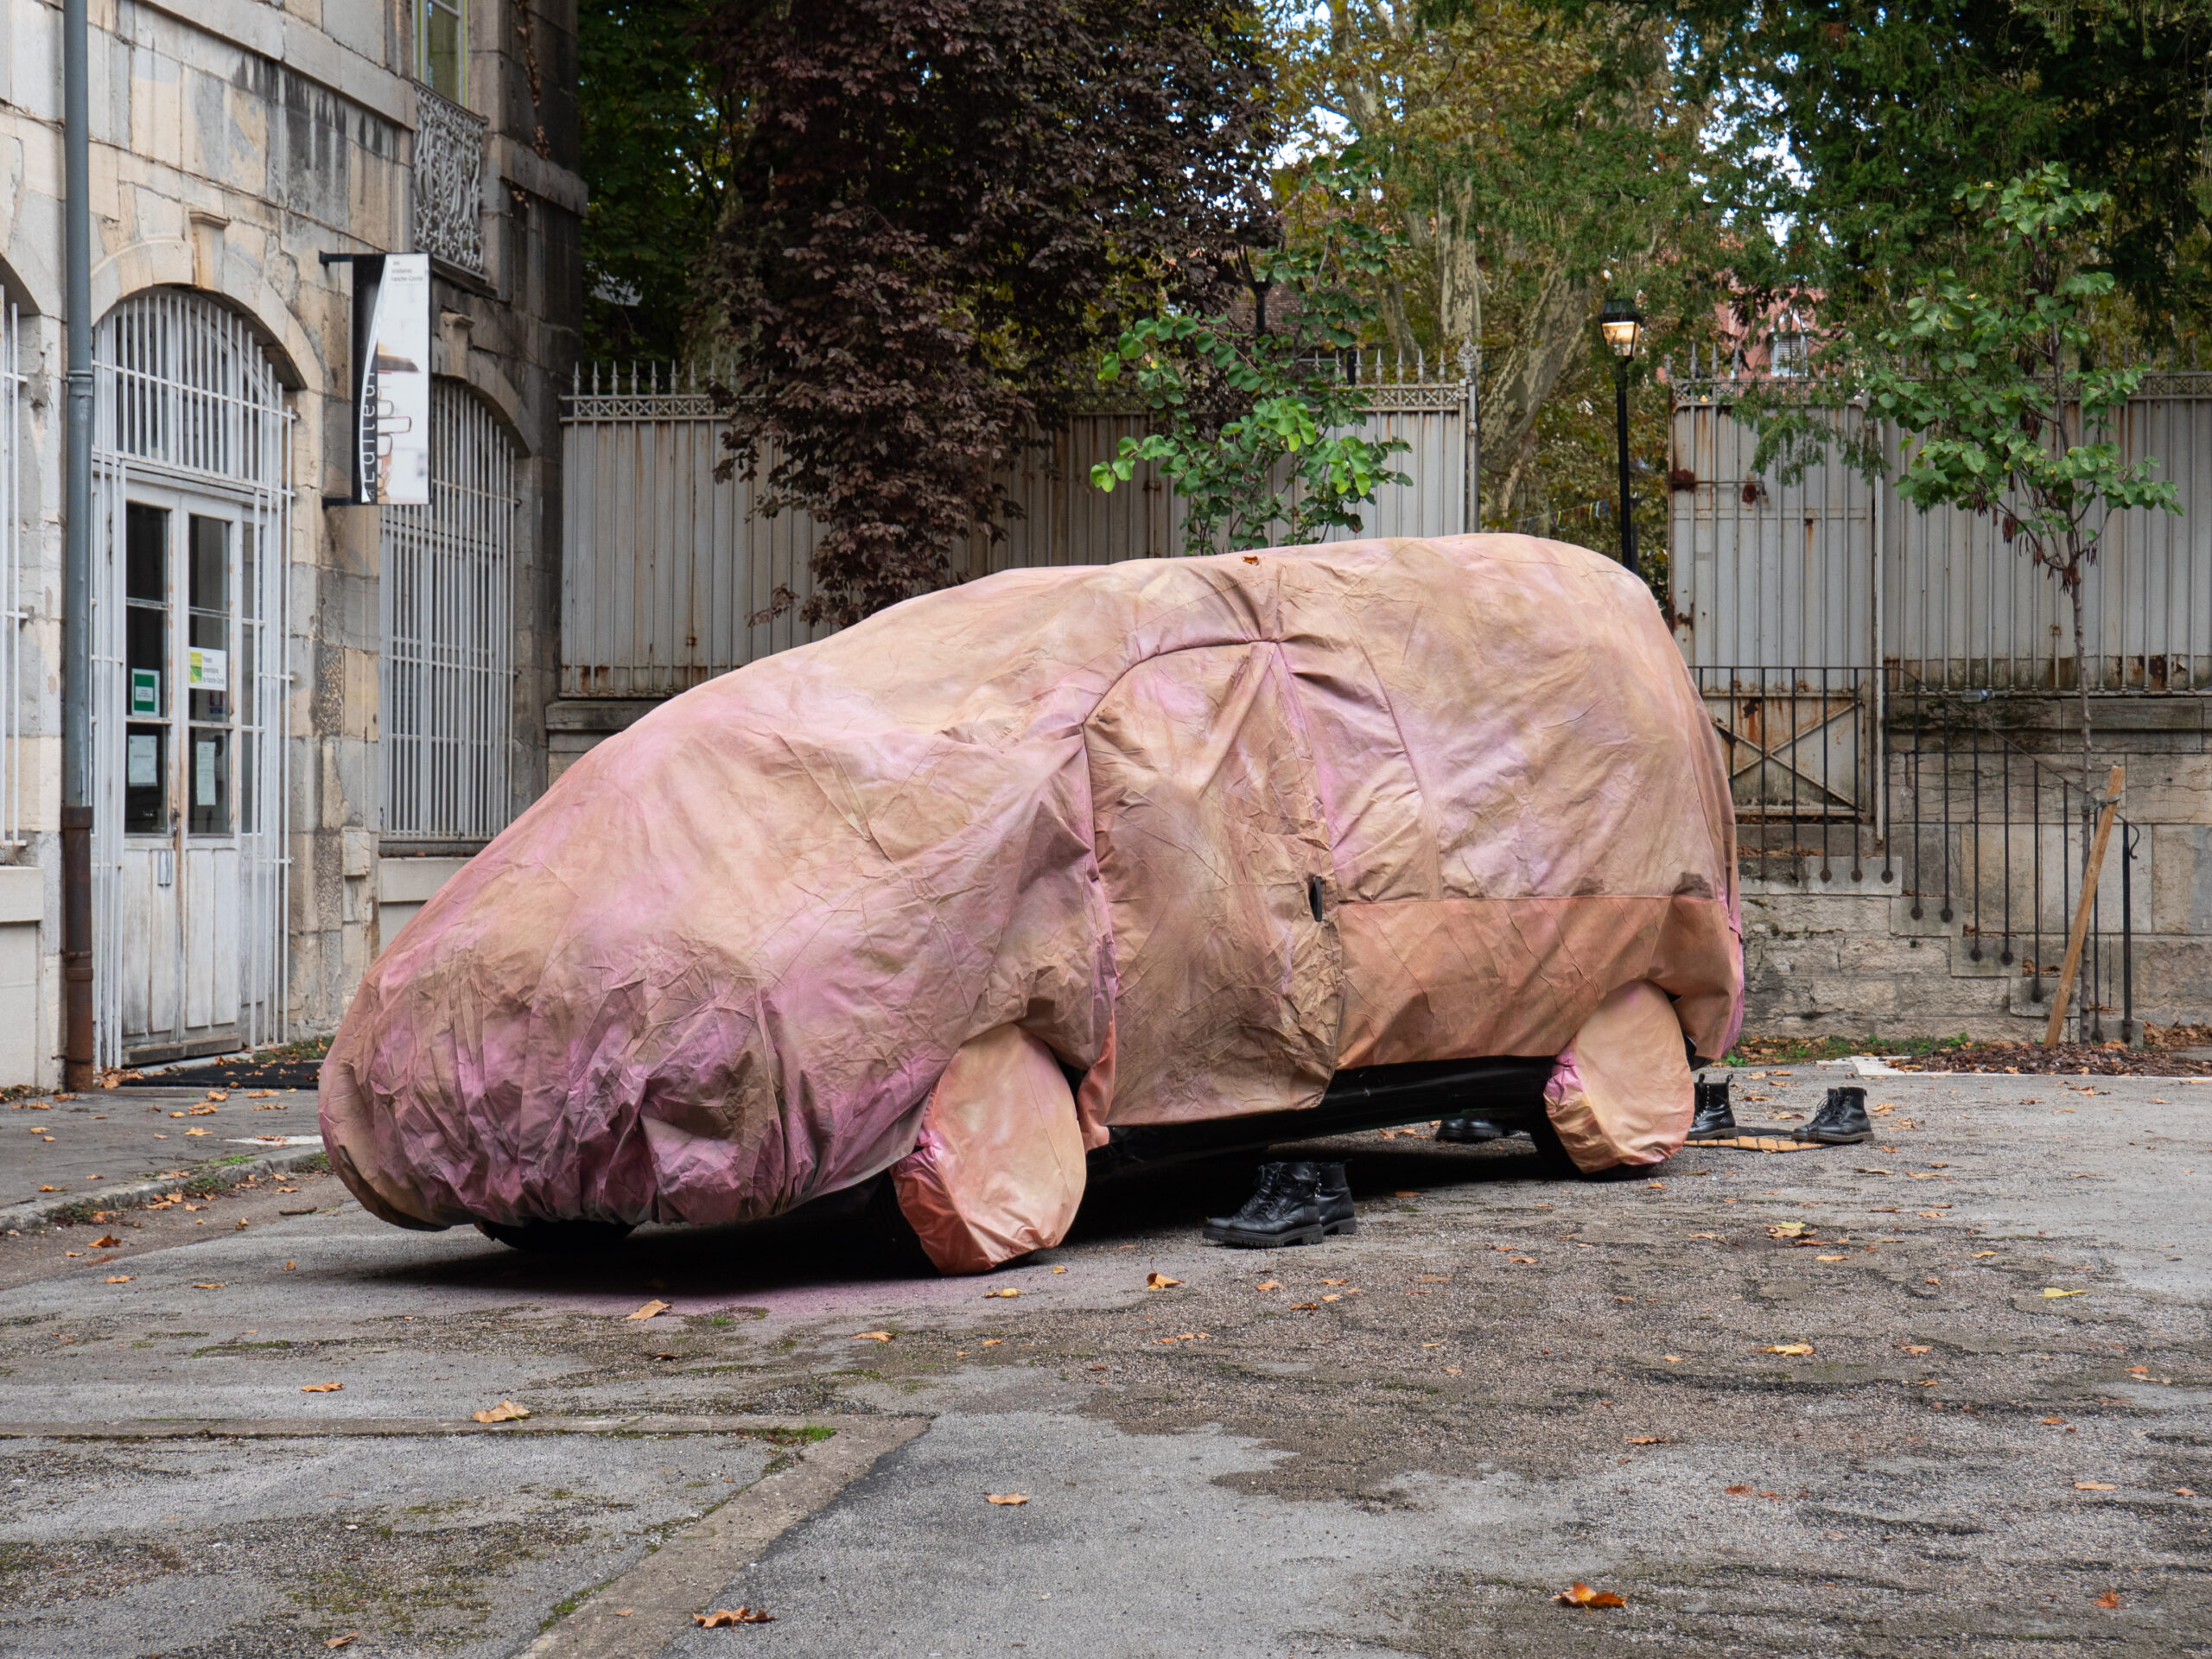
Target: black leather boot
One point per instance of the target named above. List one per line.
(1842, 1122)
(1284, 1209)
(1714, 1120)
(1471, 1131)
(1332, 1196)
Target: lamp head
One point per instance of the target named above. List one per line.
(1622, 324)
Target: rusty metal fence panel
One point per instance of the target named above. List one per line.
(663, 566)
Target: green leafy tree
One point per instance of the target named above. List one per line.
(660, 134)
(1853, 125)
(1994, 384)
(1258, 427)
(1527, 164)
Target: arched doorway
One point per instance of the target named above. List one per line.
(191, 465)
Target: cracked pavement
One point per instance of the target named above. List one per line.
(1806, 1403)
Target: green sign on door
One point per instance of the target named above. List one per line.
(145, 693)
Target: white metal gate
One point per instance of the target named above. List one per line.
(446, 684)
(190, 637)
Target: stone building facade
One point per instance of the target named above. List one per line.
(305, 712)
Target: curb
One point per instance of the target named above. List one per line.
(16, 1218)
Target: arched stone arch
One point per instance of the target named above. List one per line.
(17, 291)
(170, 262)
(480, 372)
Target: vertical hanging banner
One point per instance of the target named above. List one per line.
(391, 379)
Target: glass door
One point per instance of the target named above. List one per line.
(185, 564)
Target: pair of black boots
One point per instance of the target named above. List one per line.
(1294, 1204)
(1841, 1121)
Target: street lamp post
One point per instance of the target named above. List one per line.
(1622, 327)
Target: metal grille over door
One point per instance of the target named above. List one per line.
(447, 685)
(193, 473)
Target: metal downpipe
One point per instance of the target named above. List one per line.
(80, 1058)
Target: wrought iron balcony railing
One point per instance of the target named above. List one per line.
(449, 182)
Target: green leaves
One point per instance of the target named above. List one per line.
(1257, 430)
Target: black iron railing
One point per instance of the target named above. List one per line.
(1857, 777)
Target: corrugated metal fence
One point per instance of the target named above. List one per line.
(1834, 571)
(663, 566)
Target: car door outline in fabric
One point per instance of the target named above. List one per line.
(1213, 847)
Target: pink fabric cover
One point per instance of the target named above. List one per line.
(1622, 1093)
(1209, 829)
(997, 1171)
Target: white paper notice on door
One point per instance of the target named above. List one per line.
(203, 773)
(207, 669)
(144, 770)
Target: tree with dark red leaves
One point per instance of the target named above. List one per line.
(941, 213)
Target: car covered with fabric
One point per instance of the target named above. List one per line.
(1005, 872)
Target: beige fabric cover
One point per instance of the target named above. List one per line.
(1622, 1093)
(1209, 829)
(997, 1170)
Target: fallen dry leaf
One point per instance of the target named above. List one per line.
(1914, 1348)
(107, 1242)
(1983, 1255)
(2139, 1371)
(1305, 1308)
(1336, 1281)
(345, 1641)
(2051, 1292)
(1008, 1291)
(506, 1412)
(988, 1342)
(217, 1285)
(1332, 1297)
(322, 1388)
(1268, 1284)
(49, 1188)
(1432, 1344)
(1672, 1359)
(1061, 1269)
(2108, 1601)
(650, 1310)
(2052, 1422)
(879, 1336)
(1798, 1348)
(1451, 1370)
(1006, 1500)
(2184, 1491)
(1433, 1278)
(1159, 1281)
(725, 1616)
(119, 1278)
(1787, 1230)
(1580, 1594)
(197, 1131)
(1831, 1258)
(2095, 1486)
(1643, 1439)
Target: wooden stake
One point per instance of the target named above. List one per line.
(2081, 910)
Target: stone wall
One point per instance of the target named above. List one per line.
(233, 142)
(1844, 953)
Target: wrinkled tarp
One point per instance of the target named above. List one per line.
(1206, 830)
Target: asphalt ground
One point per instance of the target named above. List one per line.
(1804, 1404)
(57, 1147)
